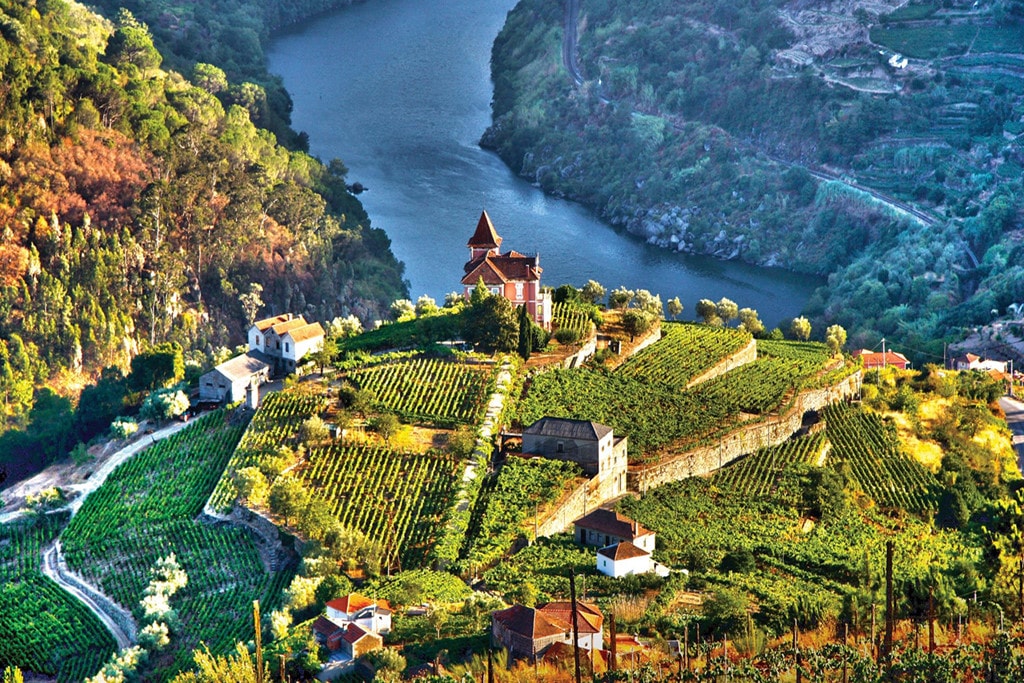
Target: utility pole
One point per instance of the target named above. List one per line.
(686, 646)
(575, 627)
(874, 642)
(846, 638)
(884, 357)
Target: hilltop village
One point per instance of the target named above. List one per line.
(529, 482)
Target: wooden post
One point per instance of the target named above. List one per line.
(931, 620)
(890, 603)
(283, 678)
(613, 661)
(874, 649)
(846, 638)
(686, 646)
(796, 651)
(575, 627)
(259, 641)
(490, 665)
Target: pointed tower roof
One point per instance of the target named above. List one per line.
(485, 237)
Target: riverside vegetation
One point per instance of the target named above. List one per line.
(731, 128)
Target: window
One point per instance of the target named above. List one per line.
(519, 291)
(560, 448)
(286, 346)
(257, 339)
(495, 290)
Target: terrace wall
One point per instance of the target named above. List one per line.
(748, 354)
(770, 432)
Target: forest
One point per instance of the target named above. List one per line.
(141, 205)
(876, 144)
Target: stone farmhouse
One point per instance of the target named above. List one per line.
(512, 275)
(228, 381)
(592, 446)
(528, 632)
(276, 345)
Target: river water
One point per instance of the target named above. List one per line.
(400, 91)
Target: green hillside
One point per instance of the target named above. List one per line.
(783, 136)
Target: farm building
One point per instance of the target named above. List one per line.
(351, 640)
(625, 559)
(227, 382)
(511, 275)
(286, 339)
(874, 360)
(528, 632)
(969, 361)
(371, 615)
(592, 446)
(603, 528)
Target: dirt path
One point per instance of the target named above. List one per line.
(58, 475)
(1014, 410)
(117, 620)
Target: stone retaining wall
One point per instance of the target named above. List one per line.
(769, 432)
(748, 354)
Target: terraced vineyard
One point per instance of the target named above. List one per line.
(756, 474)
(872, 449)
(684, 351)
(145, 510)
(568, 316)
(396, 499)
(428, 390)
(655, 415)
(276, 423)
(43, 629)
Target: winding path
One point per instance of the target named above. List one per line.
(569, 59)
(114, 617)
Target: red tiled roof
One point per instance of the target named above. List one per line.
(262, 325)
(613, 524)
(353, 634)
(622, 551)
(589, 618)
(310, 331)
(325, 626)
(485, 236)
(295, 323)
(496, 270)
(530, 622)
(354, 602)
(874, 359)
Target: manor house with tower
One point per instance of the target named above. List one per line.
(512, 275)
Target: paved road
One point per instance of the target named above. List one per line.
(1014, 410)
(569, 38)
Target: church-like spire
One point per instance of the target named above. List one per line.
(485, 238)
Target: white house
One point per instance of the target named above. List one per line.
(623, 559)
(370, 615)
(605, 527)
(286, 339)
(228, 381)
(298, 342)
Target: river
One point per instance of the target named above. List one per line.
(400, 91)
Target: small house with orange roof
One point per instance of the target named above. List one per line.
(873, 360)
(529, 632)
(512, 275)
(370, 615)
(603, 528)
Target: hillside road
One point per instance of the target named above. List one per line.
(1014, 410)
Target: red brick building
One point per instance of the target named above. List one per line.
(512, 275)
